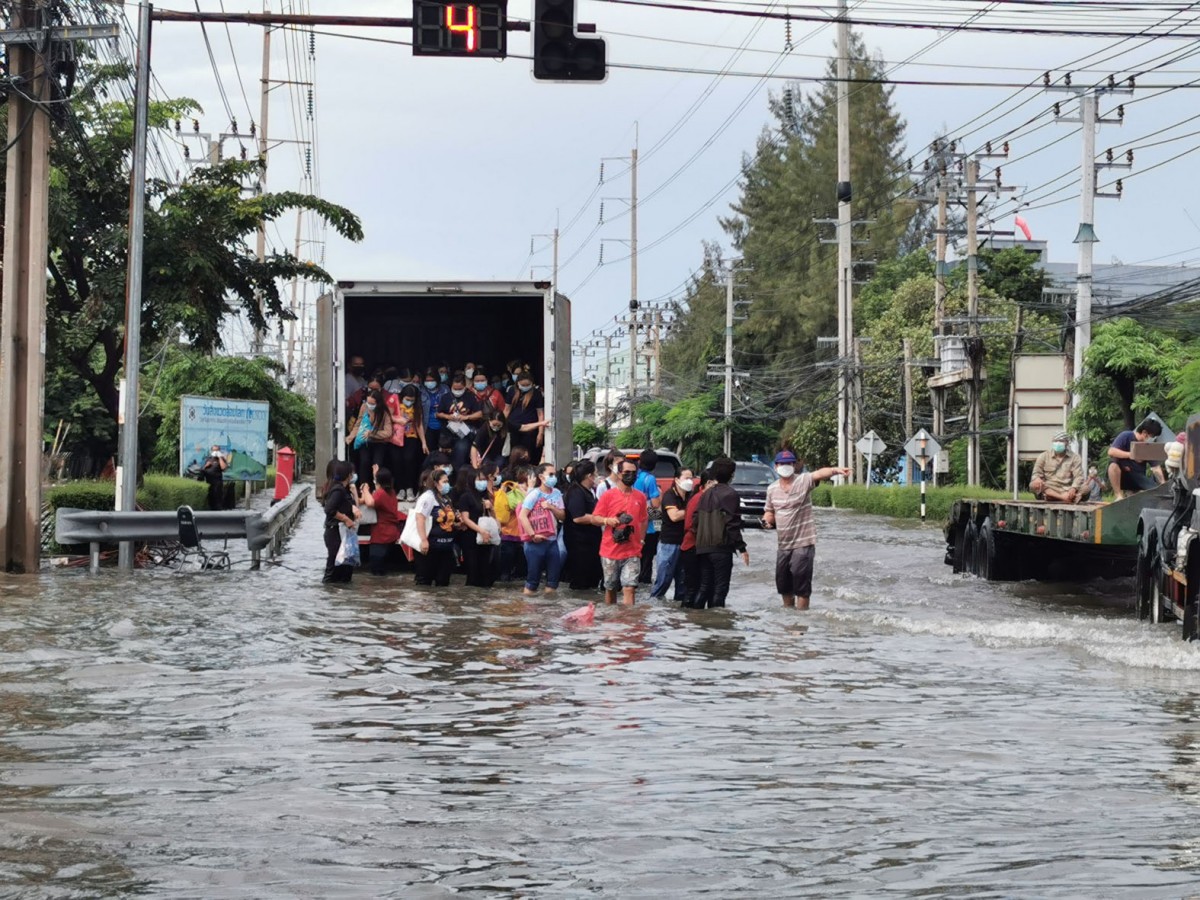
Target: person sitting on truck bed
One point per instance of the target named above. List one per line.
(1125, 475)
(526, 414)
(459, 412)
(489, 398)
(1058, 473)
(431, 398)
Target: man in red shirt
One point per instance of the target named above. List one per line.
(622, 514)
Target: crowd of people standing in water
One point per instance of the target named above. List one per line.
(468, 459)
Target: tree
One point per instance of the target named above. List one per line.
(199, 267)
(587, 435)
(1130, 368)
(292, 420)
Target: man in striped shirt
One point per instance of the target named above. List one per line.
(790, 511)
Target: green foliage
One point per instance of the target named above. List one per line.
(813, 438)
(158, 492)
(292, 418)
(1012, 274)
(1186, 392)
(1130, 368)
(901, 502)
(199, 265)
(588, 435)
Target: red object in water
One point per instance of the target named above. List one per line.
(285, 471)
(582, 617)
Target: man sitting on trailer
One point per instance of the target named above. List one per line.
(1124, 474)
(1058, 473)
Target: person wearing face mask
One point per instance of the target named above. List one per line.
(789, 511)
(670, 538)
(471, 502)
(459, 412)
(526, 415)
(408, 440)
(371, 435)
(541, 549)
(356, 371)
(582, 540)
(1058, 473)
(623, 516)
(432, 391)
(490, 397)
(490, 441)
(340, 509)
(434, 561)
(443, 373)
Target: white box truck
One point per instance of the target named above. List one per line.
(417, 324)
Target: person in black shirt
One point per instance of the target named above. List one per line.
(340, 508)
(580, 534)
(472, 503)
(674, 508)
(526, 414)
(213, 472)
(490, 440)
(459, 414)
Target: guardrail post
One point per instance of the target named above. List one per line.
(94, 547)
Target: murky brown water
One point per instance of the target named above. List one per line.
(258, 735)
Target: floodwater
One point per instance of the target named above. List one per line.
(258, 735)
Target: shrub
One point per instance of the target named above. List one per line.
(158, 492)
(902, 502)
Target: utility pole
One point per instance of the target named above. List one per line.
(264, 115)
(728, 443)
(658, 317)
(974, 387)
(30, 49)
(939, 313)
(633, 280)
(127, 471)
(607, 380)
(906, 375)
(844, 301)
(1089, 118)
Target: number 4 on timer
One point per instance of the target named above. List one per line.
(444, 28)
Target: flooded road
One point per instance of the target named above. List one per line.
(916, 733)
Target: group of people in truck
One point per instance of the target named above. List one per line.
(1058, 473)
(398, 418)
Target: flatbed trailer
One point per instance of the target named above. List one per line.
(1014, 540)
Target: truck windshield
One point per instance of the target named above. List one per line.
(753, 475)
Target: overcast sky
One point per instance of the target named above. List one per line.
(453, 164)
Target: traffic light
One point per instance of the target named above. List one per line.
(559, 54)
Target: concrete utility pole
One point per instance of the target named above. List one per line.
(633, 280)
(607, 380)
(906, 375)
(127, 471)
(1089, 119)
(844, 302)
(728, 442)
(973, 386)
(264, 115)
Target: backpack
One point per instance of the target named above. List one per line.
(710, 528)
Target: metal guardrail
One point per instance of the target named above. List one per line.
(262, 531)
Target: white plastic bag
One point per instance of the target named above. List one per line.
(492, 527)
(411, 536)
(348, 553)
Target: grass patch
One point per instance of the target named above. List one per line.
(902, 502)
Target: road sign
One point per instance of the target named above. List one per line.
(921, 446)
(870, 444)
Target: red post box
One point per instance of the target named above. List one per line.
(285, 471)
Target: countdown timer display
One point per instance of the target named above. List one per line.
(444, 28)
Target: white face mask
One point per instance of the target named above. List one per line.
(686, 485)
(785, 471)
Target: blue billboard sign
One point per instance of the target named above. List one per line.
(237, 427)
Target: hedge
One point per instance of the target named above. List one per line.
(158, 492)
(902, 502)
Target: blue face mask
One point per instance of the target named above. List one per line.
(481, 485)
(354, 478)
(496, 480)
(430, 385)
(551, 480)
(445, 376)
(444, 487)
(481, 386)
(525, 388)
